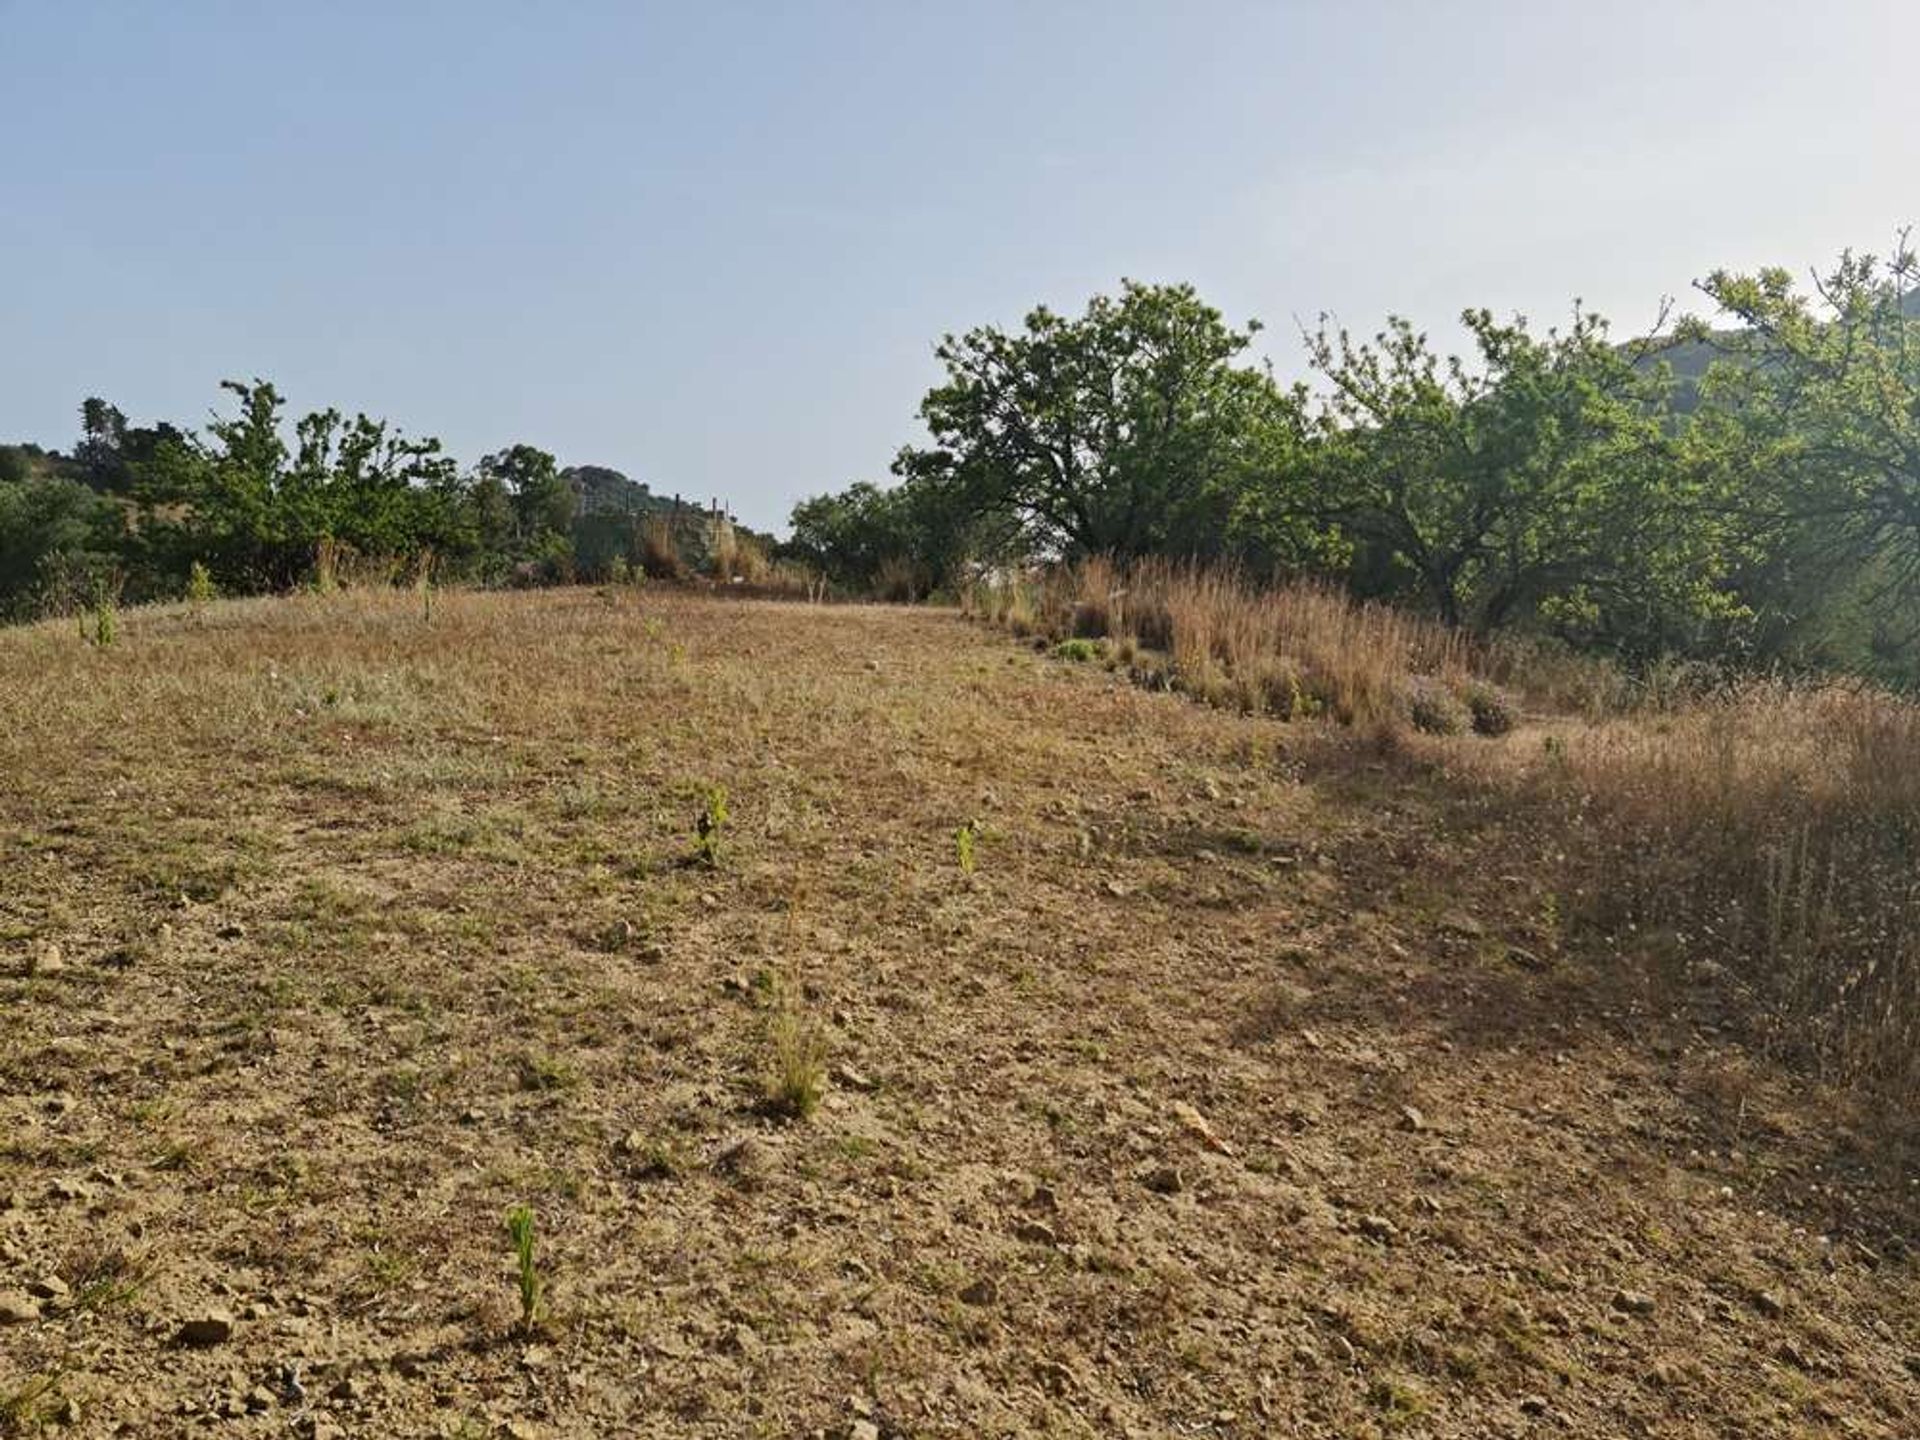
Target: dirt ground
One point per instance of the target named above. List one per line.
(1247, 1085)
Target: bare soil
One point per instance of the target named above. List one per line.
(1252, 1083)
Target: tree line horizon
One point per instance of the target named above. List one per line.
(1742, 486)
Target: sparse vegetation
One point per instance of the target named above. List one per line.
(796, 1067)
(709, 825)
(520, 1231)
(392, 901)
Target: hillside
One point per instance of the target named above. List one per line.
(1237, 1090)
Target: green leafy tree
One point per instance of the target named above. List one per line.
(542, 501)
(1815, 405)
(1127, 431)
(1543, 481)
(57, 540)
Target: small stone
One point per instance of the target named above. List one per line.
(1378, 1227)
(1043, 1200)
(214, 1327)
(1165, 1181)
(348, 1388)
(259, 1399)
(1793, 1355)
(48, 1287)
(69, 1412)
(743, 1340)
(1412, 1119)
(981, 1292)
(1036, 1233)
(18, 1308)
(1533, 1405)
(853, 1079)
(1769, 1304)
(472, 1115)
(864, 1430)
(1633, 1302)
(320, 1427)
(232, 930)
(1463, 925)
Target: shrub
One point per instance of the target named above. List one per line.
(1492, 709)
(1433, 709)
(1080, 651)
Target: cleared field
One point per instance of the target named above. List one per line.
(1241, 1087)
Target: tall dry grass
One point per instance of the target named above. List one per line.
(1773, 834)
(1287, 651)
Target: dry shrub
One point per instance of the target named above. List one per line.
(1291, 650)
(723, 551)
(897, 580)
(1776, 832)
(659, 551)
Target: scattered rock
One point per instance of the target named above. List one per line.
(1036, 1233)
(259, 1399)
(1412, 1119)
(1527, 959)
(1042, 1199)
(317, 1426)
(213, 1327)
(232, 930)
(981, 1292)
(1533, 1405)
(1769, 1304)
(742, 1340)
(48, 1287)
(18, 1308)
(1378, 1227)
(1633, 1302)
(1463, 925)
(746, 1161)
(1165, 1181)
(1197, 1125)
(846, 1075)
(864, 1430)
(1793, 1355)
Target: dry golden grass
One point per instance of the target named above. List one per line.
(1774, 831)
(335, 927)
(1287, 651)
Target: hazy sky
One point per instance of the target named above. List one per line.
(712, 244)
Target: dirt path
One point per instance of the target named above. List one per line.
(1240, 1090)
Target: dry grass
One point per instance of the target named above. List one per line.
(1773, 831)
(660, 550)
(332, 930)
(1289, 651)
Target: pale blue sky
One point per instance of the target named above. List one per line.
(712, 244)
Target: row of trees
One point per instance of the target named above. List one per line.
(1745, 486)
(134, 508)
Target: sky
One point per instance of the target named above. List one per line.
(713, 244)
